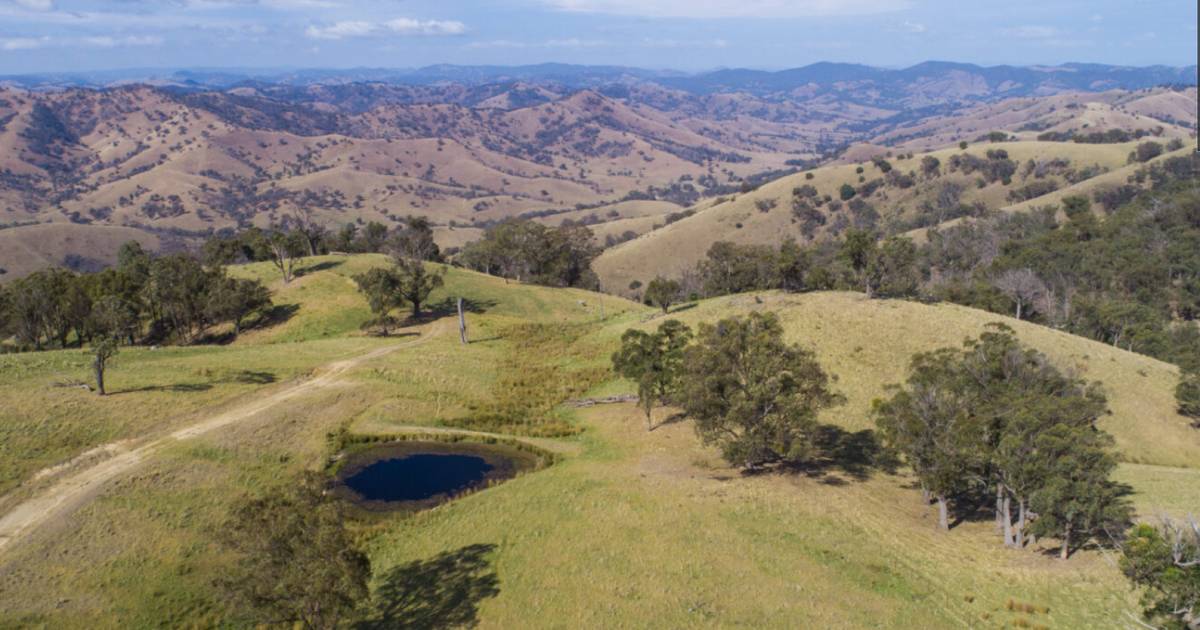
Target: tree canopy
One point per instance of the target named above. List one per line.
(751, 394)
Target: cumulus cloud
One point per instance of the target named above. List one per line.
(397, 26)
(730, 8)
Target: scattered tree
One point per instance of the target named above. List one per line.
(751, 394)
(1165, 561)
(416, 282)
(1023, 287)
(383, 289)
(662, 292)
(996, 415)
(296, 562)
(653, 361)
(103, 350)
(285, 248)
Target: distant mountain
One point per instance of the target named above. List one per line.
(175, 154)
(1000, 81)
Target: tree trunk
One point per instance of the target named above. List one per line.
(99, 367)
(416, 312)
(943, 513)
(1019, 305)
(1020, 538)
(1007, 515)
(1066, 543)
(649, 419)
(999, 507)
(462, 323)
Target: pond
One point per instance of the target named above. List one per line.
(419, 475)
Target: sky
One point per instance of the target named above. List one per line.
(690, 35)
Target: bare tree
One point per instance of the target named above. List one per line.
(1023, 286)
(285, 248)
(309, 228)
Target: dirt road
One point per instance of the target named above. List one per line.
(77, 488)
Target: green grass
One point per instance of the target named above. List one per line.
(627, 528)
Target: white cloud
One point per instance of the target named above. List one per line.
(730, 8)
(912, 27)
(408, 26)
(91, 41)
(398, 26)
(24, 43)
(105, 41)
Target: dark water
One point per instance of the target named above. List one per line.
(419, 476)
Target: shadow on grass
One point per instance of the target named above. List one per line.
(277, 315)
(176, 388)
(246, 377)
(840, 456)
(442, 592)
(449, 306)
(324, 265)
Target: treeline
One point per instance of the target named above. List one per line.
(302, 236)
(997, 421)
(859, 262)
(993, 423)
(144, 299)
(527, 251)
(1130, 279)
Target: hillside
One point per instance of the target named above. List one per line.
(626, 523)
(194, 152)
(892, 194)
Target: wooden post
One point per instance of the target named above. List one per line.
(462, 322)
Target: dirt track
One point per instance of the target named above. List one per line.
(77, 488)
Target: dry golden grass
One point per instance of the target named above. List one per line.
(679, 246)
(26, 249)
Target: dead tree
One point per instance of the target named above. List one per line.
(462, 322)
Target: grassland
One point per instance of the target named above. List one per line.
(627, 528)
(765, 216)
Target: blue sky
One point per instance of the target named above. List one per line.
(71, 35)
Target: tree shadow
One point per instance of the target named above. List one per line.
(324, 265)
(251, 377)
(674, 418)
(278, 314)
(839, 456)
(247, 377)
(177, 388)
(682, 307)
(444, 591)
(449, 306)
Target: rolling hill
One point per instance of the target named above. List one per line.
(893, 193)
(183, 154)
(626, 524)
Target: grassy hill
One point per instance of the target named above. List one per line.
(627, 526)
(776, 211)
(31, 247)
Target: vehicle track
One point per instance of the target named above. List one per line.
(78, 488)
